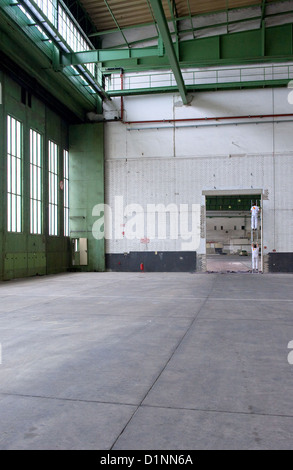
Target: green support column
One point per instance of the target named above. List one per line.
(86, 189)
(170, 51)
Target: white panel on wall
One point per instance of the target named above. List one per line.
(115, 140)
(283, 137)
(150, 181)
(283, 190)
(148, 108)
(150, 143)
(227, 103)
(224, 139)
(281, 102)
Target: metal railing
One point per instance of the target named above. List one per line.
(202, 77)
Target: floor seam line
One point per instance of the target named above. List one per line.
(207, 410)
(44, 397)
(167, 362)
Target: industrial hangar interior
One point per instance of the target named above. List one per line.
(136, 137)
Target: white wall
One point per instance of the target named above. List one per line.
(152, 163)
(231, 239)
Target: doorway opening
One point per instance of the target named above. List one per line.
(229, 235)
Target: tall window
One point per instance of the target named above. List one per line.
(14, 175)
(53, 188)
(66, 192)
(72, 36)
(35, 182)
(49, 8)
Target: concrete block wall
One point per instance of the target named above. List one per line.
(176, 162)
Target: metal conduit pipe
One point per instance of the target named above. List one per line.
(205, 125)
(206, 119)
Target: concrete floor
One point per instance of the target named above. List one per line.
(146, 361)
(229, 263)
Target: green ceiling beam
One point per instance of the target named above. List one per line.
(115, 21)
(167, 39)
(263, 10)
(39, 29)
(27, 55)
(262, 45)
(102, 55)
(173, 12)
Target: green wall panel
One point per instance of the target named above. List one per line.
(207, 49)
(245, 45)
(279, 40)
(86, 167)
(2, 150)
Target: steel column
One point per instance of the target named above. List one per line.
(166, 36)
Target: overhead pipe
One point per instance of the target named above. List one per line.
(188, 126)
(206, 119)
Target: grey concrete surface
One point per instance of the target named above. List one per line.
(229, 263)
(148, 361)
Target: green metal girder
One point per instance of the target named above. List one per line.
(27, 55)
(49, 43)
(166, 36)
(261, 45)
(263, 10)
(103, 55)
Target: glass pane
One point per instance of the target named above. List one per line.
(36, 181)
(14, 174)
(9, 212)
(53, 188)
(66, 192)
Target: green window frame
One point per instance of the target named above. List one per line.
(53, 188)
(36, 190)
(66, 192)
(14, 174)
